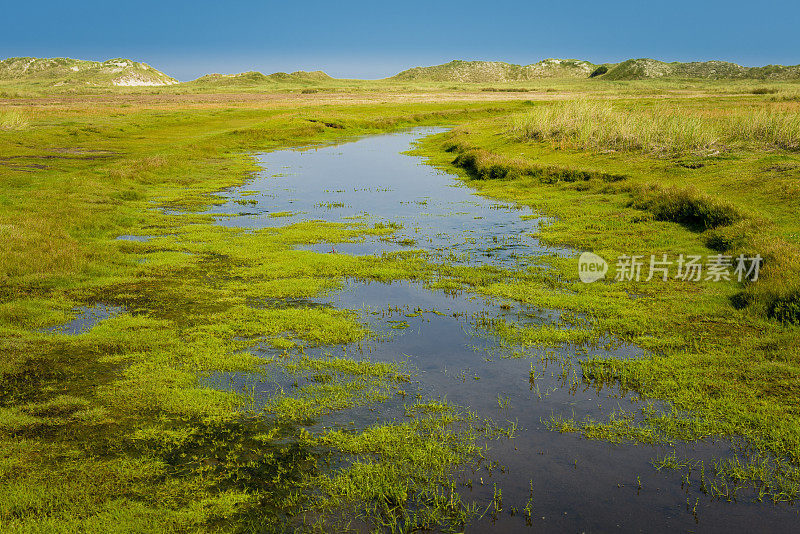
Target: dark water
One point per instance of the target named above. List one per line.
(84, 318)
(578, 485)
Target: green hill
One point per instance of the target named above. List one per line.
(74, 73)
(632, 69)
(646, 68)
(65, 71)
(300, 76)
(497, 71)
(253, 78)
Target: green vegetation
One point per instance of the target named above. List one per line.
(632, 69)
(133, 425)
(129, 425)
(599, 71)
(257, 79)
(645, 68)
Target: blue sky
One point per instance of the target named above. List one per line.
(369, 39)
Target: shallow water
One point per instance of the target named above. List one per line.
(84, 319)
(136, 238)
(578, 484)
(370, 179)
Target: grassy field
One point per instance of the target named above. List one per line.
(119, 427)
(311, 87)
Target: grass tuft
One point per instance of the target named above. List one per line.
(13, 120)
(686, 206)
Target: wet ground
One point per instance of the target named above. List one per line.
(577, 485)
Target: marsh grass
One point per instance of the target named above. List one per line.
(686, 206)
(659, 129)
(767, 478)
(765, 126)
(597, 125)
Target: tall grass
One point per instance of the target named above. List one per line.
(600, 125)
(766, 126)
(597, 125)
(13, 120)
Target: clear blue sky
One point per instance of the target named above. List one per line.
(370, 39)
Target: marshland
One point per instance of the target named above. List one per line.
(338, 305)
